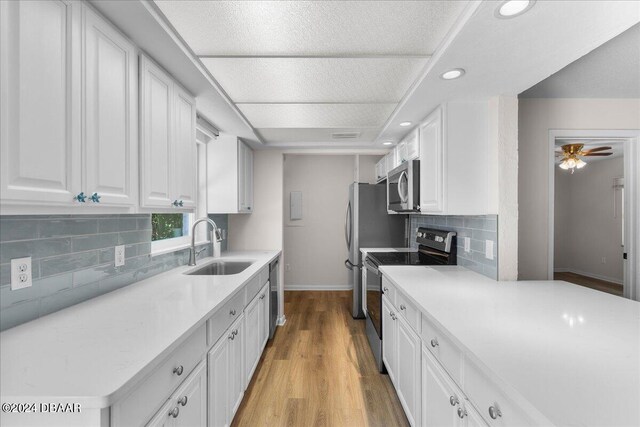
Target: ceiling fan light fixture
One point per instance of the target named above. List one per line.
(513, 8)
(563, 165)
(581, 163)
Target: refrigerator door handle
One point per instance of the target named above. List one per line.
(349, 264)
(348, 226)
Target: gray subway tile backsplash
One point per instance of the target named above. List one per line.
(72, 259)
(478, 228)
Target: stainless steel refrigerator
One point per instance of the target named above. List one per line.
(368, 225)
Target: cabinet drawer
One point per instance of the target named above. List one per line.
(408, 311)
(264, 275)
(445, 351)
(389, 289)
(225, 316)
(138, 407)
(489, 399)
(253, 287)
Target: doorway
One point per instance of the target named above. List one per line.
(592, 206)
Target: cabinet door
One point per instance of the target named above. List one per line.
(218, 396)
(472, 417)
(432, 164)
(164, 417)
(253, 336)
(413, 145)
(110, 112)
(236, 367)
(184, 149)
(265, 299)
(408, 371)
(191, 399)
(389, 339)
(245, 178)
(40, 103)
(156, 164)
(438, 394)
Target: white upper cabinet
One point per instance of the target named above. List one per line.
(167, 163)
(455, 160)
(412, 145)
(229, 176)
(40, 103)
(110, 82)
(69, 108)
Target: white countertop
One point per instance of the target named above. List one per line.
(571, 352)
(94, 352)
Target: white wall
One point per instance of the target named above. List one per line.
(536, 118)
(262, 229)
(588, 221)
(314, 246)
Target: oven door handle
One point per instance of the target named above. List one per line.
(372, 268)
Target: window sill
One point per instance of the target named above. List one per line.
(176, 247)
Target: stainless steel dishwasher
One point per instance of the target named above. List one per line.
(273, 306)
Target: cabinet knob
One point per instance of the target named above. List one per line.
(403, 307)
(385, 289)
(494, 412)
(175, 203)
(174, 412)
(434, 343)
(181, 203)
(81, 197)
(462, 412)
(178, 370)
(231, 336)
(262, 296)
(183, 400)
(235, 332)
(453, 400)
(95, 198)
(232, 312)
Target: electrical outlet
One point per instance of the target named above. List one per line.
(119, 258)
(488, 249)
(287, 267)
(604, 260)
(467, 244)
(20, 273)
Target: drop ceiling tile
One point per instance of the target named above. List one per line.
(317, 135)
(316, 115)
(315, 79)
(312, 27)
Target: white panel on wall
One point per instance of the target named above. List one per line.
(295, 209)
(316, 115)
(315, 79)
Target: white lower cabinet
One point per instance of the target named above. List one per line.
(256, 333)
(226, 375)
(188, 405)
(401, 355)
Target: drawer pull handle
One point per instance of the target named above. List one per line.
(178, 371)
(453, 400)
(434, 343)
(183, 400)
(403, 307)
(232, 312)
(174, 412)
(462, 412)
(494, 412)
(385, 289)
(262, 296)
(232, 336)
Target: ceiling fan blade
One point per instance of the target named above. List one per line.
(593, 150)
(596, 154)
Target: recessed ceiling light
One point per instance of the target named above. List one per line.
(405, 124)
(513, 8)
(387, 143)
(453, 74)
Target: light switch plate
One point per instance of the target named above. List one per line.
(467, 244)
(20, 273)
(119, 258)
(488, 249)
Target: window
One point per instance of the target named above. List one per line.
(170, 230)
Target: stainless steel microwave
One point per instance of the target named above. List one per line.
(403, 187)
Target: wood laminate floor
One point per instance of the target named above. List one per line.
(319, 371)
(589, 282)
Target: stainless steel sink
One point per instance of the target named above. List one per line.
(221, 268)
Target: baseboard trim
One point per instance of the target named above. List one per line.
(281, 320)
(318, 287)
(590, 275)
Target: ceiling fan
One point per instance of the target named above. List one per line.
(571, 154)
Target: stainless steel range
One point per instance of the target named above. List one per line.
(436, 247)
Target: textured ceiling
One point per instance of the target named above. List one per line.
(609, 71)
(304, 70)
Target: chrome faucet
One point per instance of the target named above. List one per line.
(216, 232)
